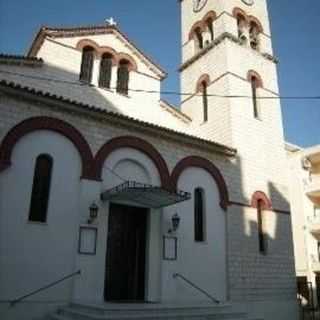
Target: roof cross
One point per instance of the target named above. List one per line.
(111, 21)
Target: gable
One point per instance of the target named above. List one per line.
(103, 39)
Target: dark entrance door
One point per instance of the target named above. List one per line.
(126, 254)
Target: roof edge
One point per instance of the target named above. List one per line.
(74, 31)
(189, 139)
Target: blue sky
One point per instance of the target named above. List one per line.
(155, 27)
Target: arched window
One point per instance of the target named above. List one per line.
(254, 35)
(254, 87)
(261, 228)
(87, 64)
(105, 71)
(209, 24)
(123, 77)
(241, 22)
(41, 188)
(199, 38)
(199, 215)
(204, 101)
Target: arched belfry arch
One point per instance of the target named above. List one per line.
(135, 143)
(199, 162)
(52, 124)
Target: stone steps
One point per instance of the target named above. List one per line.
(147, 312)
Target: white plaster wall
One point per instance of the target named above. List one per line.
(202, 263)
(189, 17)
(33, 255)
(129, 164)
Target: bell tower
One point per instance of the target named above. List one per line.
(227, 51)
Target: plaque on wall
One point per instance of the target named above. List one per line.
(88, 240)
(170, 246)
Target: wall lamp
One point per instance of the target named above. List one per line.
(175, 220)
(93, 212)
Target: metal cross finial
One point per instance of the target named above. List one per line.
(111, 22)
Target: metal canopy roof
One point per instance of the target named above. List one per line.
(144, 194)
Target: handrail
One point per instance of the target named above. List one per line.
(18, 300)
(178, 275)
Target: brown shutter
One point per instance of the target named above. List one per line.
(105, 71)
(87, 64)
(123, 79)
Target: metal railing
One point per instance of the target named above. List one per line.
(21, 298)
(178, 275)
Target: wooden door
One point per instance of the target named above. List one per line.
(126, 251)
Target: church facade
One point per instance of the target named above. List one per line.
(130, 199)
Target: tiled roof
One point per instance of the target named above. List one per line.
(219, 148)
(19, 59)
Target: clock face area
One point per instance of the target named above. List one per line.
(248, 2)
(198, 5)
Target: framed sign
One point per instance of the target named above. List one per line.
(170, 248)
(88, 240)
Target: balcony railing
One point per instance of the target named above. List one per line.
(312, 188)
(315, 263)
(314, 226)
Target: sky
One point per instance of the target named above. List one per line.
(154, 26)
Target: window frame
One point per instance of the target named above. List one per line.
(254, 81)
(123, 65)
(209, 23)
(200, 234)
(40, 189)
(263, 245)
(87, 63)
(105, 81)
(199, 38)
(205, 103)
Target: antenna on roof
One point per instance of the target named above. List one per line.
(111, 22)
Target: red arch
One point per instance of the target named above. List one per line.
(257, 22)
(198, 24)
(138, 144)
(253, 74)
(52, 124)
(204, 78)
(195, 161)
(211, 15)
(261, 196)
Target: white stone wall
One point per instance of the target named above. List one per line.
(241, 223)
(261, 162)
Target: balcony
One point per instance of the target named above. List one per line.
(312, 188)
(311, 163)
(314, 226)
(315, 264)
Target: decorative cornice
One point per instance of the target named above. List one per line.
(216, 42)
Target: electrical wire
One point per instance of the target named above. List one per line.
(78, 83)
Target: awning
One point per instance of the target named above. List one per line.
(144, 194)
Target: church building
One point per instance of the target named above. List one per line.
(114, 204)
